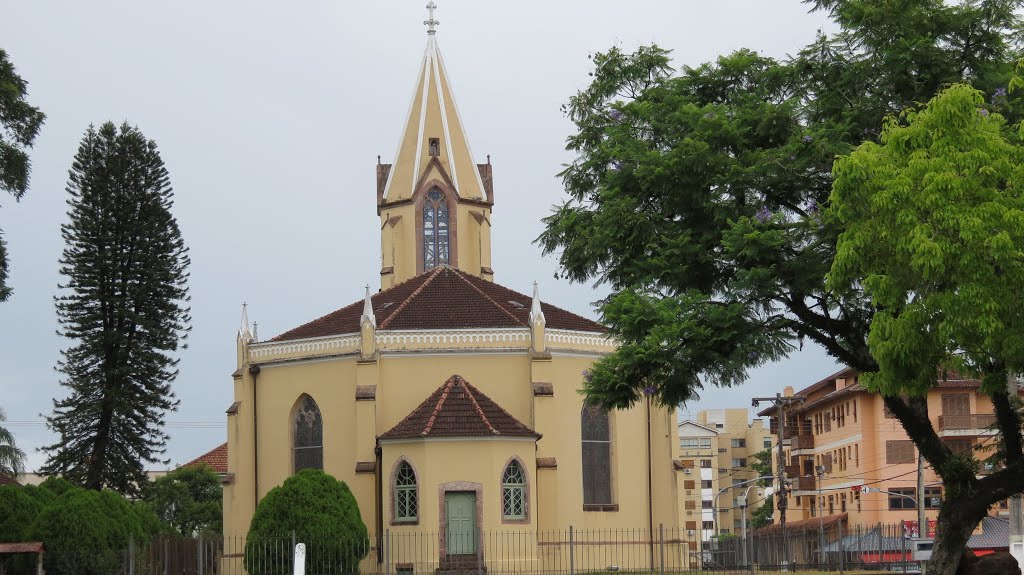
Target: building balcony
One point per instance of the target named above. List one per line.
(969, 424)
(804, 483)
(802, 442)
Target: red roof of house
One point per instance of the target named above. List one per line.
(442, 298)
(217, 458)
(457, 409)
(8, 480)
(803, 524)
(28, 547)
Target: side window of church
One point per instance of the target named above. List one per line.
(308, 436)
(435, 230)
(405, 493)
(597, 456)
(513, 492)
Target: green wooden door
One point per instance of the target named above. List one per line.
(460, 515)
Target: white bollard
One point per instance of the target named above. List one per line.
(300, 559)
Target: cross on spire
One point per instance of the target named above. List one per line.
(430, 22)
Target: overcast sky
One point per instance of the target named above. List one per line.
(270, 116)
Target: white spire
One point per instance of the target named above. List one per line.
(243, 330)
(431, 22)
(536, 314)
(368, 315)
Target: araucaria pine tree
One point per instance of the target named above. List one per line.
(124, 306)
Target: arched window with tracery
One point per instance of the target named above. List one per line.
(513, 492)
(597, 456)
(405, 497)
(307, 436)
(435, 230)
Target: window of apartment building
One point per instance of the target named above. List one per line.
(842, 503)
(705, 504)
(854, 410)
(767, 442)
(719, 425)
(831, 504)
(739, 462)
(899, 451)
(814, 508)
(705, 484)
(896, 499)
(705, 442)
(705, 463)
(725, 531)
(932, 497)
(959, 445)
(856, 455)
(826, 418)
(737, 442)
(738, 481)
(956, 404)
(689, 442)
(689, 484)
(707, 525)
(690, 504)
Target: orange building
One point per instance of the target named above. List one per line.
(841, 437)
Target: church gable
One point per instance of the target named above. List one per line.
(457, 409)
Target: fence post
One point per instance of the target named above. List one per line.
(131, 554)
(199, 554)
(572, 553)
(839, 543)
(881, 545)
(387, 552)
(479, 550)
(750, 549)
(661, 545)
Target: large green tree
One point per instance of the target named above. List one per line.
(189, 499)
(934, 233)
(19, 124)
(124, 308)
(12, 459)
(697, 197)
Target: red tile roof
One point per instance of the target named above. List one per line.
(442, 298)
(217, 458)
(8, 480)
(803, 524)
(33, 547)
(457, 409)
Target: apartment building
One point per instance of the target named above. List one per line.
(842, 437)
(717, 449)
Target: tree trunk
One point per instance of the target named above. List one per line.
(956, 522)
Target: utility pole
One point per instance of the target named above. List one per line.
(1013, 383)
(781, 403)
(922, 519)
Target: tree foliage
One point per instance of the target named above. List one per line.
(12, 459)
(124, 308)
(322, 513)
(188, 499)
(19, 124)
(698, 198)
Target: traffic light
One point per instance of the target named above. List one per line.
(856, 491)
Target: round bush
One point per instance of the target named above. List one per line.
(86, 532)
(17, 510)
(323, 514)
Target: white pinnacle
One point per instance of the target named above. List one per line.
(368, 310)
(243, 329)
(431, 22)
(536, 314)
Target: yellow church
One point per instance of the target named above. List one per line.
(448, 403)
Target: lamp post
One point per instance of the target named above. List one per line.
(714, 504)
(820, 471)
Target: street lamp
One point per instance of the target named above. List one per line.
(714, 504)
(820, 470)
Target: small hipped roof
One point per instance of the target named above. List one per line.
(457, 409)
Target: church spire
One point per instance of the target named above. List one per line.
(433, 130)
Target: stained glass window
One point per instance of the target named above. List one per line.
(513, 492)
(597, 456)
(435, 230)
(308, 442)
(405, 493)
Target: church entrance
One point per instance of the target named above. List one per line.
(460, 523)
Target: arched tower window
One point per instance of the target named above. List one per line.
(435, 230)
(513, 492)
(597, 456)
(308, 435)
(405, 493)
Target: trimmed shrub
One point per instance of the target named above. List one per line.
(323, 514)
(190, 500)
(17, 510)
(86, 532)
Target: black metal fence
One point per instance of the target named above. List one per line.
(512, 552)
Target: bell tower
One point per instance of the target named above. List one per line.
(434, 201)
